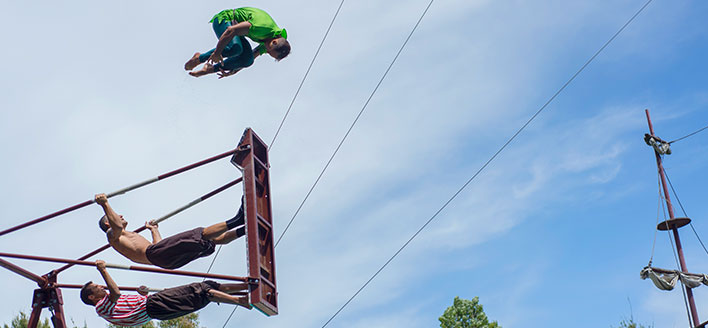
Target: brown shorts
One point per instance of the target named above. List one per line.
(178, 301)
(176, 251)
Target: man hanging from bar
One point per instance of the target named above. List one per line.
(172, 252)
(135, 310)
(231, 27)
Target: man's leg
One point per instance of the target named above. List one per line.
(233, 48)
(239, 55)
(229, 236)
(221, 297)
(218, 230)
(215, 230)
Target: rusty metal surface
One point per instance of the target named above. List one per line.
(29, 275)
(673, 223)
(125, 267)
(200, 199)
(119, 192)
(252, 158)
(47, 298)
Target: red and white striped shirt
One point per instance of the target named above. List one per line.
(128, 311)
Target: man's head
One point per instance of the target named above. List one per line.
(278, 48)
(92, 293)
(104, 225)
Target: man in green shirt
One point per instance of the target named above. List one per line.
(233, 52)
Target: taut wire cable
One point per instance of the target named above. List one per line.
(491, 159)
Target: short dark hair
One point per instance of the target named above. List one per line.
(283, 49)
(103, 224)
(87, 290)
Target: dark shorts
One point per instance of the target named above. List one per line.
(176, 251)
(178, 301)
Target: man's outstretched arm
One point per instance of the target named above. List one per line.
(231, 32)
(152, 226)
(113, 291)
(113, 217)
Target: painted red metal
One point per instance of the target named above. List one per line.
(48, 297)
(124, 288)
(197, 164)
(125, 267)
(99, 250)
(77, 286)
(673, 223)
(47, 217)
(679, 248)
(252, 158)
(119, 192)
(41, 281)
(197, 201)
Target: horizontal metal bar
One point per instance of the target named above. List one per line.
(197, 164)
(125, 267)
(47, 217)
(134, 289)
(198, 200)
(131, 188)
(163, 218)
(118, 192)
(29, 275)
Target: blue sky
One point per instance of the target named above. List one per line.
(556, 230)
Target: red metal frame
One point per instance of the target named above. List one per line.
(197, 201)
(119, 192)
(251, 158)
(124, 267)
(132, 289)
(48, 297)
(41, 281)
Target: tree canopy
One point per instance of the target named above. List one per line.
(188, 321)
(22, 320)
(466, 314)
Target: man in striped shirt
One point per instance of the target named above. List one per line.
(135, 310)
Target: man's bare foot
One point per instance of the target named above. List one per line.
(192, 62)
(206, 69)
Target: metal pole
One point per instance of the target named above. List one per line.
(134, 289)
(119, 192)
(34, 316)
(679, 249)
(41, 281)
(125, 267)
(198, 200)
(163, 218)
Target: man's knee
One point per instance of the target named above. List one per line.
(233, 49)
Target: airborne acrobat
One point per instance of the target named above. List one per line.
(233, 52)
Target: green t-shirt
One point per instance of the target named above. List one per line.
(262, 25)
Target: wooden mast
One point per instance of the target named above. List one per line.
(674, 228)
